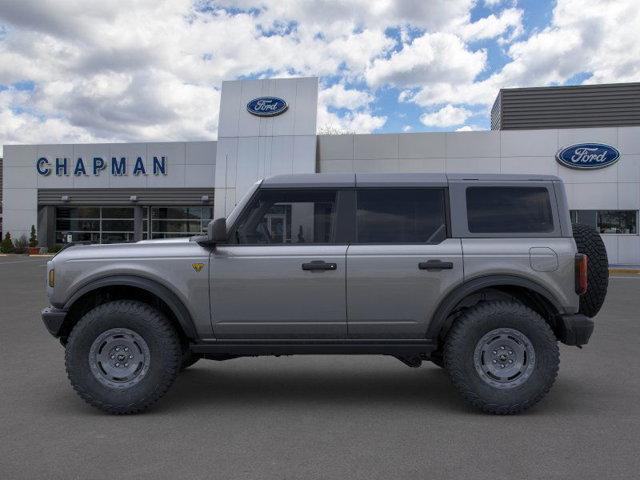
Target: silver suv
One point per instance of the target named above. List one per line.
(481, 275)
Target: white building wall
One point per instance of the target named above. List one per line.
(516, 151)
(251, 147)
(189, 164)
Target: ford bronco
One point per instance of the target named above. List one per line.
(479, 274)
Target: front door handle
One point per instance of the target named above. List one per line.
(319, 265)
(435, 265)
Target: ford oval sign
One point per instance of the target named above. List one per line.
(267, 106)
(588, 156)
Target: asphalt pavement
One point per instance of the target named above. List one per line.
(308, 417)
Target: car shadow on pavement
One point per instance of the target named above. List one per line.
(427, 387)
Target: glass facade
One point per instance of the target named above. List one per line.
(117, 224)
(173, 222)
(94, 224)
(608, 221)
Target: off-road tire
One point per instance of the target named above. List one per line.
(437, 359)
(164, 356)
(467, 332)
(188, 359)
(590, 243)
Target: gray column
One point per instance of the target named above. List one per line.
(46, 228)
(138, 214)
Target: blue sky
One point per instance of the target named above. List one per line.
(77, 71)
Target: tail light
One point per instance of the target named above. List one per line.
(581, 273)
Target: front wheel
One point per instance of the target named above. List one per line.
(502, 357)
(122, 356)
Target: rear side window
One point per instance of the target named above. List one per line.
(388, 215)
(509, 210)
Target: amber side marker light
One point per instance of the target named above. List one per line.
(581, 273)
(52, 277)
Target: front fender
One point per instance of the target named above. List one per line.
(177, 307)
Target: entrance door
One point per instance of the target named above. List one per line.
(283, 274)
(401, 262)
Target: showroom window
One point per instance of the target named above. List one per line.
(509, 210)
(173, 222)
(622, 222)
(94, 224)
(401, 216)
(288, 216)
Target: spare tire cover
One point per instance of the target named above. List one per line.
(590, 243)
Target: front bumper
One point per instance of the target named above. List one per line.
(53, 319)
(575, 329)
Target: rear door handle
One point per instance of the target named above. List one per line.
(435, 265)
(319, 265)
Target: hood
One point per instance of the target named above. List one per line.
(144, 248)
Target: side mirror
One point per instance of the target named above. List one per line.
(217, 230)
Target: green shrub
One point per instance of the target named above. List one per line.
(56, 248)
(21, 244)
(7, 244)
(33, 239)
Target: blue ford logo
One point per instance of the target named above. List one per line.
(588, 156)
(267, 106)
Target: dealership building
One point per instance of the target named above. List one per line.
(587, 135)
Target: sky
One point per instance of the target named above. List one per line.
(75, 71)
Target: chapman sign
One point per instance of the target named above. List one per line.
(96, 165)
(267, 106)
(588, 156)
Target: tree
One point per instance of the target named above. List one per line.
(7, 244)
(33, 239)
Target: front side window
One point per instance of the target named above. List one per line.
(509, 210)
(288, 217)
(389, 215)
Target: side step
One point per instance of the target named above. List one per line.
(402, 348)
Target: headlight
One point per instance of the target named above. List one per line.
(52, 278)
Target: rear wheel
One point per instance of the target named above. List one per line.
(122, 356)
(502, 357)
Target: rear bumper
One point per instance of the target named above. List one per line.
(53, 319)
(575, 329)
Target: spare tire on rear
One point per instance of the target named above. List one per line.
(590, 243)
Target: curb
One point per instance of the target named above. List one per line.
(624, 271)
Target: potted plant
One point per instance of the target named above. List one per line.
(33, 242)
(7, 244)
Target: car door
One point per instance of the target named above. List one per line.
(401, 262)
(283, 273)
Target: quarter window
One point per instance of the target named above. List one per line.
(288, 217)
(401, 216)
(509, 210)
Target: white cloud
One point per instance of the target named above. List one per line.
(432, 57)
(469, 128)
(407, 128)
(338, 96)
(152, 70)
(493, 3)
(509, 20)
(447, 116)
(351, 122)
(584, 36)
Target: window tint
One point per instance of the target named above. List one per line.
(509, 210)
(401, 216)
(288, 216)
